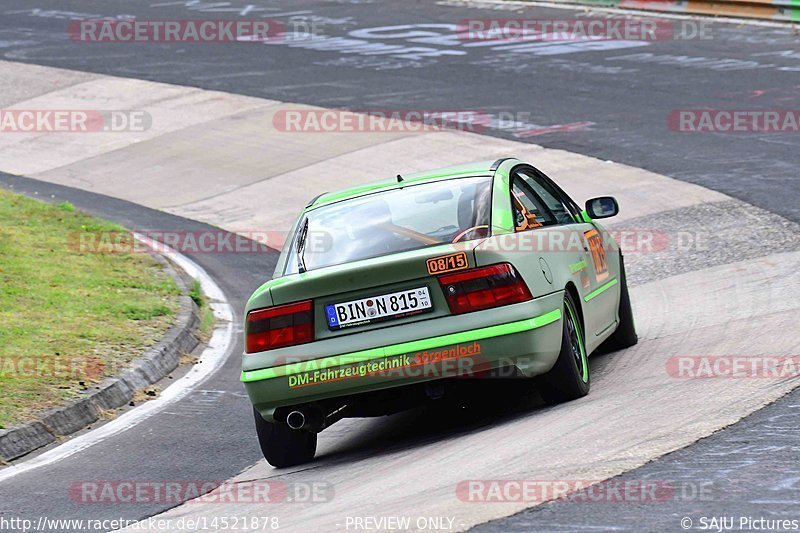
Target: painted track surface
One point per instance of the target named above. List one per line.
(410, 437)
(624, 91)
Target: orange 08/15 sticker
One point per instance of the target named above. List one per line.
(598, 254)
(447, 263)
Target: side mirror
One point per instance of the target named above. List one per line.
(602, 207)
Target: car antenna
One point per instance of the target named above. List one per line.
(399, 178)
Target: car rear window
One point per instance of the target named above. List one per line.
(398, 220)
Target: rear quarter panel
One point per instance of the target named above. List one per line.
(552, 258)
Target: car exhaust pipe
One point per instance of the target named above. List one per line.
(296, 420)
(313, 418)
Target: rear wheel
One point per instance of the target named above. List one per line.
(283, 446)
(569, 378)
(625, 335)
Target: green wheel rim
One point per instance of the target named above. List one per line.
(576, 342)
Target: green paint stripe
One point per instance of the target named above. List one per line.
(600, 289)
(402, 348)
(794, 10)
(577, 267)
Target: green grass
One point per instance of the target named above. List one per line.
(206, 314)
(196, 294)
(80, 312)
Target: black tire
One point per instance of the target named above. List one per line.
(625, 336)
(283, 446)
(569, 378)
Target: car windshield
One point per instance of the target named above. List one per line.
(393, 221)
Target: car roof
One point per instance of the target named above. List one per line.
(485, 168)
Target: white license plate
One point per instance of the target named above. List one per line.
(378, 308)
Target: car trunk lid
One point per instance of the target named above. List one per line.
(369, 278)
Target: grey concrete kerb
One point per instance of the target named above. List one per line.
(114, 392)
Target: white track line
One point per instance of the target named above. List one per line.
(211, 360)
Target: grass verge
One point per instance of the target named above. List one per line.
(69, 317)
(206, 314)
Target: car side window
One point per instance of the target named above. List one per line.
(551, 198)
(529, 210)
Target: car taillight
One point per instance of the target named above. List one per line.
(276, 327)
(483, 288)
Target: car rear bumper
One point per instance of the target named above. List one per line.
(530, 344)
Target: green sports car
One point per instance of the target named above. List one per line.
(386, 293)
